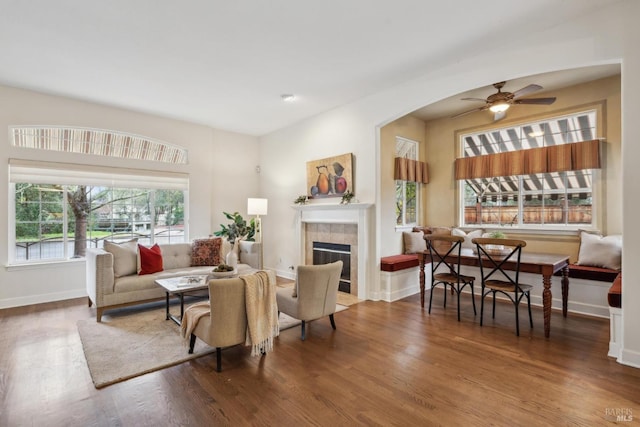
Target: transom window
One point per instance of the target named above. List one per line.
(561, 198)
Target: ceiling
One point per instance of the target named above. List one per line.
(225, 64)
(549, 82)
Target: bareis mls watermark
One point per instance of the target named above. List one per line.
(618, 414)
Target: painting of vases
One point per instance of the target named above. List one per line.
(330, 177)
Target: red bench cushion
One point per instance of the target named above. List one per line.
(399, 262)
(615, 292)
(591, 273)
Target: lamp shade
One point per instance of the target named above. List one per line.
(256, 206)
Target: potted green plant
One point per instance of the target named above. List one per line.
(346, 198)
(237, 229)
(301, 200)
(496, 235)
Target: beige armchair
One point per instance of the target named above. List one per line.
(314, 295)
(227, 324)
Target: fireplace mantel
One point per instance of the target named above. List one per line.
(351, 213)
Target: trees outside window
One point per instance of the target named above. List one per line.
(406, 191)
(61, 221)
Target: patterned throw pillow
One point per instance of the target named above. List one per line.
(206, 252)
(124, 257)
(150, 259)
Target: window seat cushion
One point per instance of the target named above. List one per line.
(398, 262)
(588, 272)
(615, 292)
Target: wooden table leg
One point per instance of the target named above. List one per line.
(546, 303)
(565, 290)
(421, 259)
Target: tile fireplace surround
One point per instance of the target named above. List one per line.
(334, 223)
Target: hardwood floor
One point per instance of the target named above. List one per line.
(386, 364)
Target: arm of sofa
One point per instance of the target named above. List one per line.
(100, 275)
(251, 253)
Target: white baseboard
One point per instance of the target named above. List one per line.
(615, 332)
(629, 358)
(42, 298)
(395, 285)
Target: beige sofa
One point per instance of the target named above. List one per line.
(106, 291)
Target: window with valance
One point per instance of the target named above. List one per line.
(532, 174)
(409, 173)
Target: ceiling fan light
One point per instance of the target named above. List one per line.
(499, 108)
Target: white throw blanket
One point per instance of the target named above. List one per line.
(262, 312)
(192, 316)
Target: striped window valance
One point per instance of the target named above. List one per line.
(410, 170)
(555, 158)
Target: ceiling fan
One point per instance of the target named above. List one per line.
(499, 102)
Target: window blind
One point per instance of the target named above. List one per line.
(74, 174)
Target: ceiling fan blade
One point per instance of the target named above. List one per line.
(473, 99)
(537, 101)
(526, 90)
(468, 112)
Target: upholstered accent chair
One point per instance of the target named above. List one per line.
(226, 326)
(314, 294)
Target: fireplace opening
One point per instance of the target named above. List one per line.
(325, 253)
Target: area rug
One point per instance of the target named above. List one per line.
(133, 343)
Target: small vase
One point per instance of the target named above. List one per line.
(232, 259)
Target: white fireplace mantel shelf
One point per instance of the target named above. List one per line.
(326, 206)
(351, 213)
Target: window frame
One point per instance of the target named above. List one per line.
(68, 175)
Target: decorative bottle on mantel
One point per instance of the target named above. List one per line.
(232, 258)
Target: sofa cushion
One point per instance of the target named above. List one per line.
(599, 251)
(176, 255)
(124, 257)
(413, 242)
(206, 251)
(150, 259)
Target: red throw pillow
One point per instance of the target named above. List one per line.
(150, 259)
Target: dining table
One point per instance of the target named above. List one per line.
(543, 264)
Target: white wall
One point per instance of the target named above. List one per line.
(608, 36)
(221, 166)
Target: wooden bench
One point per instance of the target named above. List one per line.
(399, 276)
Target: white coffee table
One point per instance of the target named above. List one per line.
(178, 286)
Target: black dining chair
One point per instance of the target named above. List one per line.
(440, 247)
(493, 254)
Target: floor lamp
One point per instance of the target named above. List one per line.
(257, 207)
